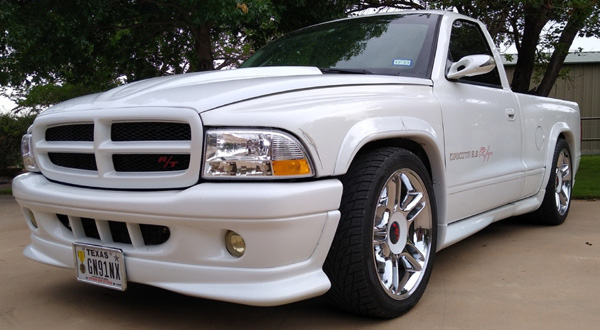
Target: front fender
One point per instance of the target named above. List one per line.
(386, 128)
(426, 135)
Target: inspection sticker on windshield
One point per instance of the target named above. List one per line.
(402, 62)
(100, 265)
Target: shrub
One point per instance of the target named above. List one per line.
(12, 129)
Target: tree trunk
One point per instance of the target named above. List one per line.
(574, 24)
(535, 19)
(203, 48)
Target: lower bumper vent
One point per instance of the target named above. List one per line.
(115, 231)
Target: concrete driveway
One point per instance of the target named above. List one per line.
(509, 276)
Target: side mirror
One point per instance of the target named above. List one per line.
(471, 65)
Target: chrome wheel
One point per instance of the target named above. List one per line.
(562, 181)
(383, 251)
(402, 234)
(557, 199)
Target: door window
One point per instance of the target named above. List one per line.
(467, 39)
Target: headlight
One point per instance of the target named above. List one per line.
(27, 152)
(260, 154)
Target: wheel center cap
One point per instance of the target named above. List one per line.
(397, 233)
(558, 182)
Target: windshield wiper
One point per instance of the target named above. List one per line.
(336, 70)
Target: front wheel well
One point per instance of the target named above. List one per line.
(432, 158)
(406, 144)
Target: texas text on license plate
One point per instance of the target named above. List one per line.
(100, 265)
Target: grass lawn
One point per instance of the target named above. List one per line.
(587, 181)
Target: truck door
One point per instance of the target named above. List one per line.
(482, 131)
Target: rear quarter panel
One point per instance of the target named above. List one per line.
(544, 121)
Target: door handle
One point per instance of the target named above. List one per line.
(510, 113)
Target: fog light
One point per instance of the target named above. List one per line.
(235, 244)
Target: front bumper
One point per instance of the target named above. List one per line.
(287, 227)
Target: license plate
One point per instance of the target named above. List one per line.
(100, 265)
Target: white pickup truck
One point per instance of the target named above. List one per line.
(338, 159)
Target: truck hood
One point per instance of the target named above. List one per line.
(205, 91)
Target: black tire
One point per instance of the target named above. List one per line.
(557, 200)
(374, 234)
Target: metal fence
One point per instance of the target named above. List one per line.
(590, 135)
(595, 138)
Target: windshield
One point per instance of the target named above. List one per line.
(387, 44)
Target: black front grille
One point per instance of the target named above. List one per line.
(144, 154)
(78, 132)
(152, 234)
(151, 163)
(72, 160)
(150, 131)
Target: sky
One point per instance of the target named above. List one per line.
(5, 104)
(588, 44)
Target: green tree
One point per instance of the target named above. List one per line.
(94, 45)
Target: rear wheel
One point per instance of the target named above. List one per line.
(557, 200)
(381, 258)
